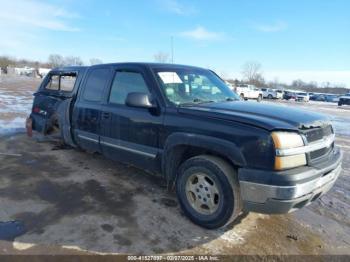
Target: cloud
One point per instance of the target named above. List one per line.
(176, 7)
(200, 33)
(274, 27)
(34, 14)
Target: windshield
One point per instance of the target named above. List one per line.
(302, 94)
(193, 86)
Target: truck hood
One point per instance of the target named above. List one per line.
(263, 115)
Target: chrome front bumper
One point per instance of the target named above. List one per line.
(276, 199)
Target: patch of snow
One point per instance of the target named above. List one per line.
(341, 126)
(13, 125)
(22, 246)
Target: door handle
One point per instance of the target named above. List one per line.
(106, 114)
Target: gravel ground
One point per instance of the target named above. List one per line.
(72, 202)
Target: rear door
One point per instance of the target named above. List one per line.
(133, 134)
(87, 117)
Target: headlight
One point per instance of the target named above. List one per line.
(287, 140)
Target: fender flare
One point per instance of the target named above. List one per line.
(214, 144)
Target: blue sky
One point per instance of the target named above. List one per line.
(292, 39)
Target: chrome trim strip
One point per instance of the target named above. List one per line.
(325, 142)
(128, 149)
(88, 138)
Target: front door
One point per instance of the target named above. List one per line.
(133, 132)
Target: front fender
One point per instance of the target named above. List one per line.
(213, 144)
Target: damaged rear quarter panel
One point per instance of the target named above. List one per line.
(54, 106)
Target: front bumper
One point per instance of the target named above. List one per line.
(285, 191)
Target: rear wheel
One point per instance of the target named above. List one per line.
(259, 98)
(208, 191)
(339, 103)
(269, 96)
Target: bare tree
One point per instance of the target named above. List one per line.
(5, 61)
(56, 60)
(73, 61)
(95, 61)
(252, 72)
(161, 57)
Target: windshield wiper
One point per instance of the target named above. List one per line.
(200, 101)
(229, 99)
(197, 101)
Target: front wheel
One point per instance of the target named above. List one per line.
(208, 191)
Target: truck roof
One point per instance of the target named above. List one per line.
(151, 65)
(68, 68)
(143, 64)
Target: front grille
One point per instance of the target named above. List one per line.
(321, 152)
(318, 133)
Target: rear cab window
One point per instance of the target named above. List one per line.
(61, 82)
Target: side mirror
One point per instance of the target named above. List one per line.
(136, 99)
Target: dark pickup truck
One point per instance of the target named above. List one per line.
(221, 154)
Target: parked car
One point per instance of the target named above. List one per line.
(302, 97)
(315, 97)
(271, 93)
(221, 154)
(332, 98)
(280, 93)
(319, 97)
(344, 100)
(289, 95)
(249, 92)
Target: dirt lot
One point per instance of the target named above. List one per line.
(68, 201)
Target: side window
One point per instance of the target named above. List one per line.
(54, 83)
(67, 82)
(125, 83)
(95, 84)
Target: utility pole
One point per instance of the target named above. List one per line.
(172, 49)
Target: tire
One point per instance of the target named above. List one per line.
(242, 96)
(226, 200)
(339, 103)
(259, 98)
(269, 96)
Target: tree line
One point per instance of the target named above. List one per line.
(252, 74)
(54, 60)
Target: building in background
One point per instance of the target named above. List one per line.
(28, 71)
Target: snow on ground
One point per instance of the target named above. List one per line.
(10, 126)
(16, 97)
